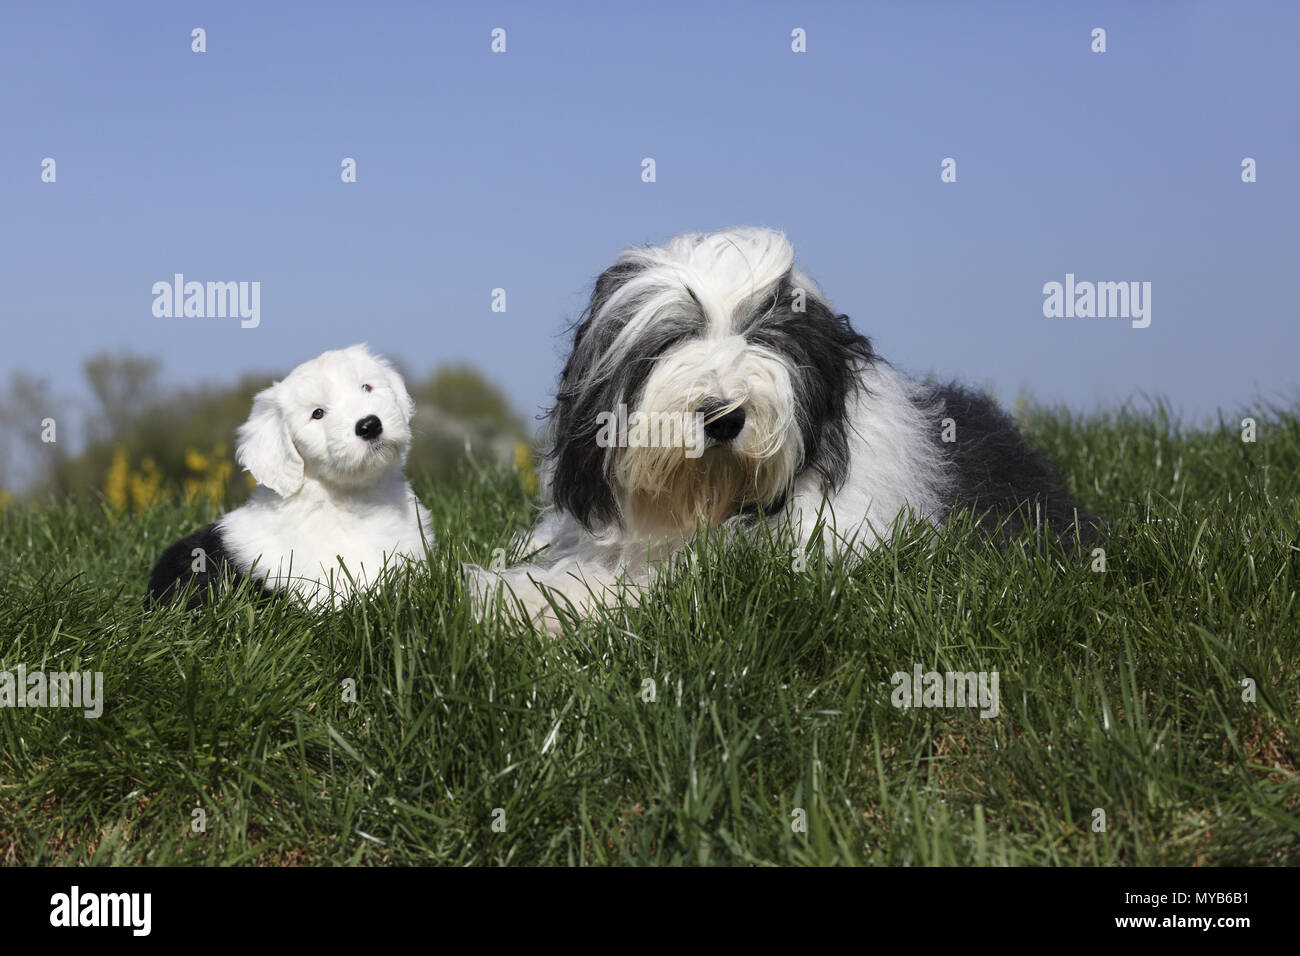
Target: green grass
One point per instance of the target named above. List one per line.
(1120, 691)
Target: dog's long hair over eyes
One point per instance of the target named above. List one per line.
(667, 325)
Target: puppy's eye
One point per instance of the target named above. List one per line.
(318, 414)
(366, 388)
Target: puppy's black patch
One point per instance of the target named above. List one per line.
(174, 573)
(1004, 481)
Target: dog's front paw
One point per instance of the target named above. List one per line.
(515, 592)
(483, 588)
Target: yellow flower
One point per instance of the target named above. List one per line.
(146, 487)
(213, 475)
(524, 465)
(117, 479)
(1021, 410)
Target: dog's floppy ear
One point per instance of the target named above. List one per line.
(266, 449)
(399, 387)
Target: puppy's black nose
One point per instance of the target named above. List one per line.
(725, 427)
(370, 427)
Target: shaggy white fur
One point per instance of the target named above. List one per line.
(332, 509)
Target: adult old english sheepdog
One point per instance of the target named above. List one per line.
(332, 508)
(780, 412)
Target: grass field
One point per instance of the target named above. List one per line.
(1121, 692)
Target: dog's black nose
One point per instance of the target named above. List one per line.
(370, 427)
(724, 427)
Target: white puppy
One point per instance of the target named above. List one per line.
(332, 509)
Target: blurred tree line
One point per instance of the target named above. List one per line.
(141, 442)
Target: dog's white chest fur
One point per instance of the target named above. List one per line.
(304, 542)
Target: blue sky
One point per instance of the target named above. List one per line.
(523, 171)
